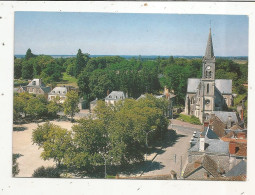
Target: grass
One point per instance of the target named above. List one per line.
(189, 119)
(67, 79)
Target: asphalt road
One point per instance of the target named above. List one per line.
(173, 156)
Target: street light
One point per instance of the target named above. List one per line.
(105, 174)
(147, 141)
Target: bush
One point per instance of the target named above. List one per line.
(190, 119)
(48, 172)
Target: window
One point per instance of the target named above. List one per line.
(33, 83)
(208, 88)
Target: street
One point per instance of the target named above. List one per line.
(174, 156)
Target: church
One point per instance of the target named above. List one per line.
(206, 95)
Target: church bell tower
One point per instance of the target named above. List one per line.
(208, 80)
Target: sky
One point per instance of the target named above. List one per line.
(63, 33)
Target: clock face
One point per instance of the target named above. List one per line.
(208, 67)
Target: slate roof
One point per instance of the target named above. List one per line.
(217, 125)
(213, 144)
(116, 95)
(209, 48)
(193, 85)
(224, 116)
(206, 162)
(223, 85)
(94, 101)
(238, 170)
(58, 91)
(46, 89)
(37, 82)
(209, 134)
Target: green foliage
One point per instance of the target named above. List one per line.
(27, 69)
(48, 172)
(20, 103)
(55, 141)
(239, 98)
(71, 104)
(36, 107)
(80, 63)
(190, 119)
(15, 165)
(18, 68)
(52, 73)
(29, 54)
(54, 107)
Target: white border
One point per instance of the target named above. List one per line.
(9, 185)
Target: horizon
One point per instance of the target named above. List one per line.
(126, 33)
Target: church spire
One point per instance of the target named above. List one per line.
(209, 49)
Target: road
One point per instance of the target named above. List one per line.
(173, 156)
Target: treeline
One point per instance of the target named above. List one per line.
(117, 135)
(134, 76)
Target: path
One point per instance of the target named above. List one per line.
(166, 161)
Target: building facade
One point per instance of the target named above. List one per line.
(208, 94)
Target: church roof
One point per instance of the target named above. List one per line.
(209, 48)
(193, 85)
(223, 85)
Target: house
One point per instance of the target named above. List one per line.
(239, 170)
(203, 168)
(21, 89)
(114, 97)
(207, 142)
(58, 91)
(208, 94)
(37, 87)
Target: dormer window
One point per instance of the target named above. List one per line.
(33, 83)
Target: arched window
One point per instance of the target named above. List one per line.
(208, 88)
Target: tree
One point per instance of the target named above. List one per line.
(54, 107)
(20, 103)
(48, 172)
(15, 165)
(36, 108)
(80, 63)
(29, 54)
(52, 73)
(17, 68)
(55, 141)
(90, 138)
(27, 69)
(71, 104)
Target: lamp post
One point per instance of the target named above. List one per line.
(146, 133)
(105, 174)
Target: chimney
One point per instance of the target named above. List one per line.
(206, 124)
(229, 123)
(242, 114)
(202, 144)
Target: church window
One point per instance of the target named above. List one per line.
(207, 88)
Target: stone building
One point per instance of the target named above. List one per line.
(208, 94)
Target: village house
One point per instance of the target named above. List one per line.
(114, 97)
(36, 86)
(208, 94)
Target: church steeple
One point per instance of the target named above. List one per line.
(209, 48)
